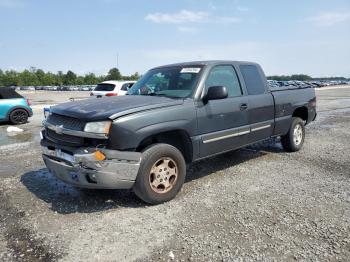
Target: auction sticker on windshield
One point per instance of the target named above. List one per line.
(194, 70)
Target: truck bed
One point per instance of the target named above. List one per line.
(287, 100)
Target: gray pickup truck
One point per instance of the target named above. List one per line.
(174, 115)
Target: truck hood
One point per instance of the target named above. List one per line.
(94, 109)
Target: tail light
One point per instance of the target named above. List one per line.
(28, 103)
(111, 94)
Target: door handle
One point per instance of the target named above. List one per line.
(243, 107)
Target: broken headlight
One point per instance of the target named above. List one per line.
(102, 127)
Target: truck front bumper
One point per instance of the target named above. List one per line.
(118, 171)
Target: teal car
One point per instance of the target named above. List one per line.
(14, 107)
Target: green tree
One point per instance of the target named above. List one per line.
(114, 74)
(10, 78)
(1, 78)
(28, 78)
(300, 77)
(91, 79)
(69, 78)
(41, 76)
(59, 78)
(38, 77)
(135, 76)
(49, 79)
(79, 80)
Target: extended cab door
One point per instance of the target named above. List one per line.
(223, 124)
(260, 103)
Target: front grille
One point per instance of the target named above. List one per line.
(66, 121)
(64, 139)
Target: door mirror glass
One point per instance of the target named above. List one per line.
(215, 93)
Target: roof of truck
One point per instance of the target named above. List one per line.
(206, 62)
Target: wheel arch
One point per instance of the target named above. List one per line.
(301, 112)
(178, 138)
(15, 108)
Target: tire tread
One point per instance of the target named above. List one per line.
(141, 184)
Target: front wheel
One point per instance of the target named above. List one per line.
(161, 175)
(294, 139)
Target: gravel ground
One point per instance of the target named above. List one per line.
(257, 203)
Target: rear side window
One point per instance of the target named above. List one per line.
(104, 87)
(226, 76)
(126, 86)
(252, 79)
(8, 93)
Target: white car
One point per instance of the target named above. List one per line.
(112, 88)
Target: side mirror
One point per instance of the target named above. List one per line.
(215, 93)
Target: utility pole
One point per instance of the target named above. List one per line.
(118, 60)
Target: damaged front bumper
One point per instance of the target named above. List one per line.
(82, 169)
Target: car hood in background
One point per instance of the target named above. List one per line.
(112, 107)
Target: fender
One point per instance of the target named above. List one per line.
(17, 107)
(163, 127)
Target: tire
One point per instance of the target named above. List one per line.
(19, 116)
(161, 175)
(294, 139)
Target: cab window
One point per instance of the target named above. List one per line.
(252, 79)
(224, 75)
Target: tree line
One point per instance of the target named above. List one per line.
(302, 77)
(38, 77)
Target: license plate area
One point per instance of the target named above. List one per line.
(74, 176)
(60, 154)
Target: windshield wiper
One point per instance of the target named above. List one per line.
(157, 94)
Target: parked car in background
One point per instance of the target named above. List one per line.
(112, 88)
(27, 88)
(14, 107)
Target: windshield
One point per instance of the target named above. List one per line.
(104, 87)
(175, 82)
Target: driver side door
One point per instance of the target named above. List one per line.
(223, 124)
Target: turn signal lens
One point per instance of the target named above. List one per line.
(108, 128)
(99, 156)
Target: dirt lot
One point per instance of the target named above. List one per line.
(258, 203)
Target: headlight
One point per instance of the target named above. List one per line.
(46, 112)
(102, 127)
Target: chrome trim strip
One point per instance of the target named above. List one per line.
(260, 128)
(226, 136)
(62, 130)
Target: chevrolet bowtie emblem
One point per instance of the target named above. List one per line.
(59, 129)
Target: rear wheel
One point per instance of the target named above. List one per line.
(294, 139)
(161, 175)
(19, 116)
